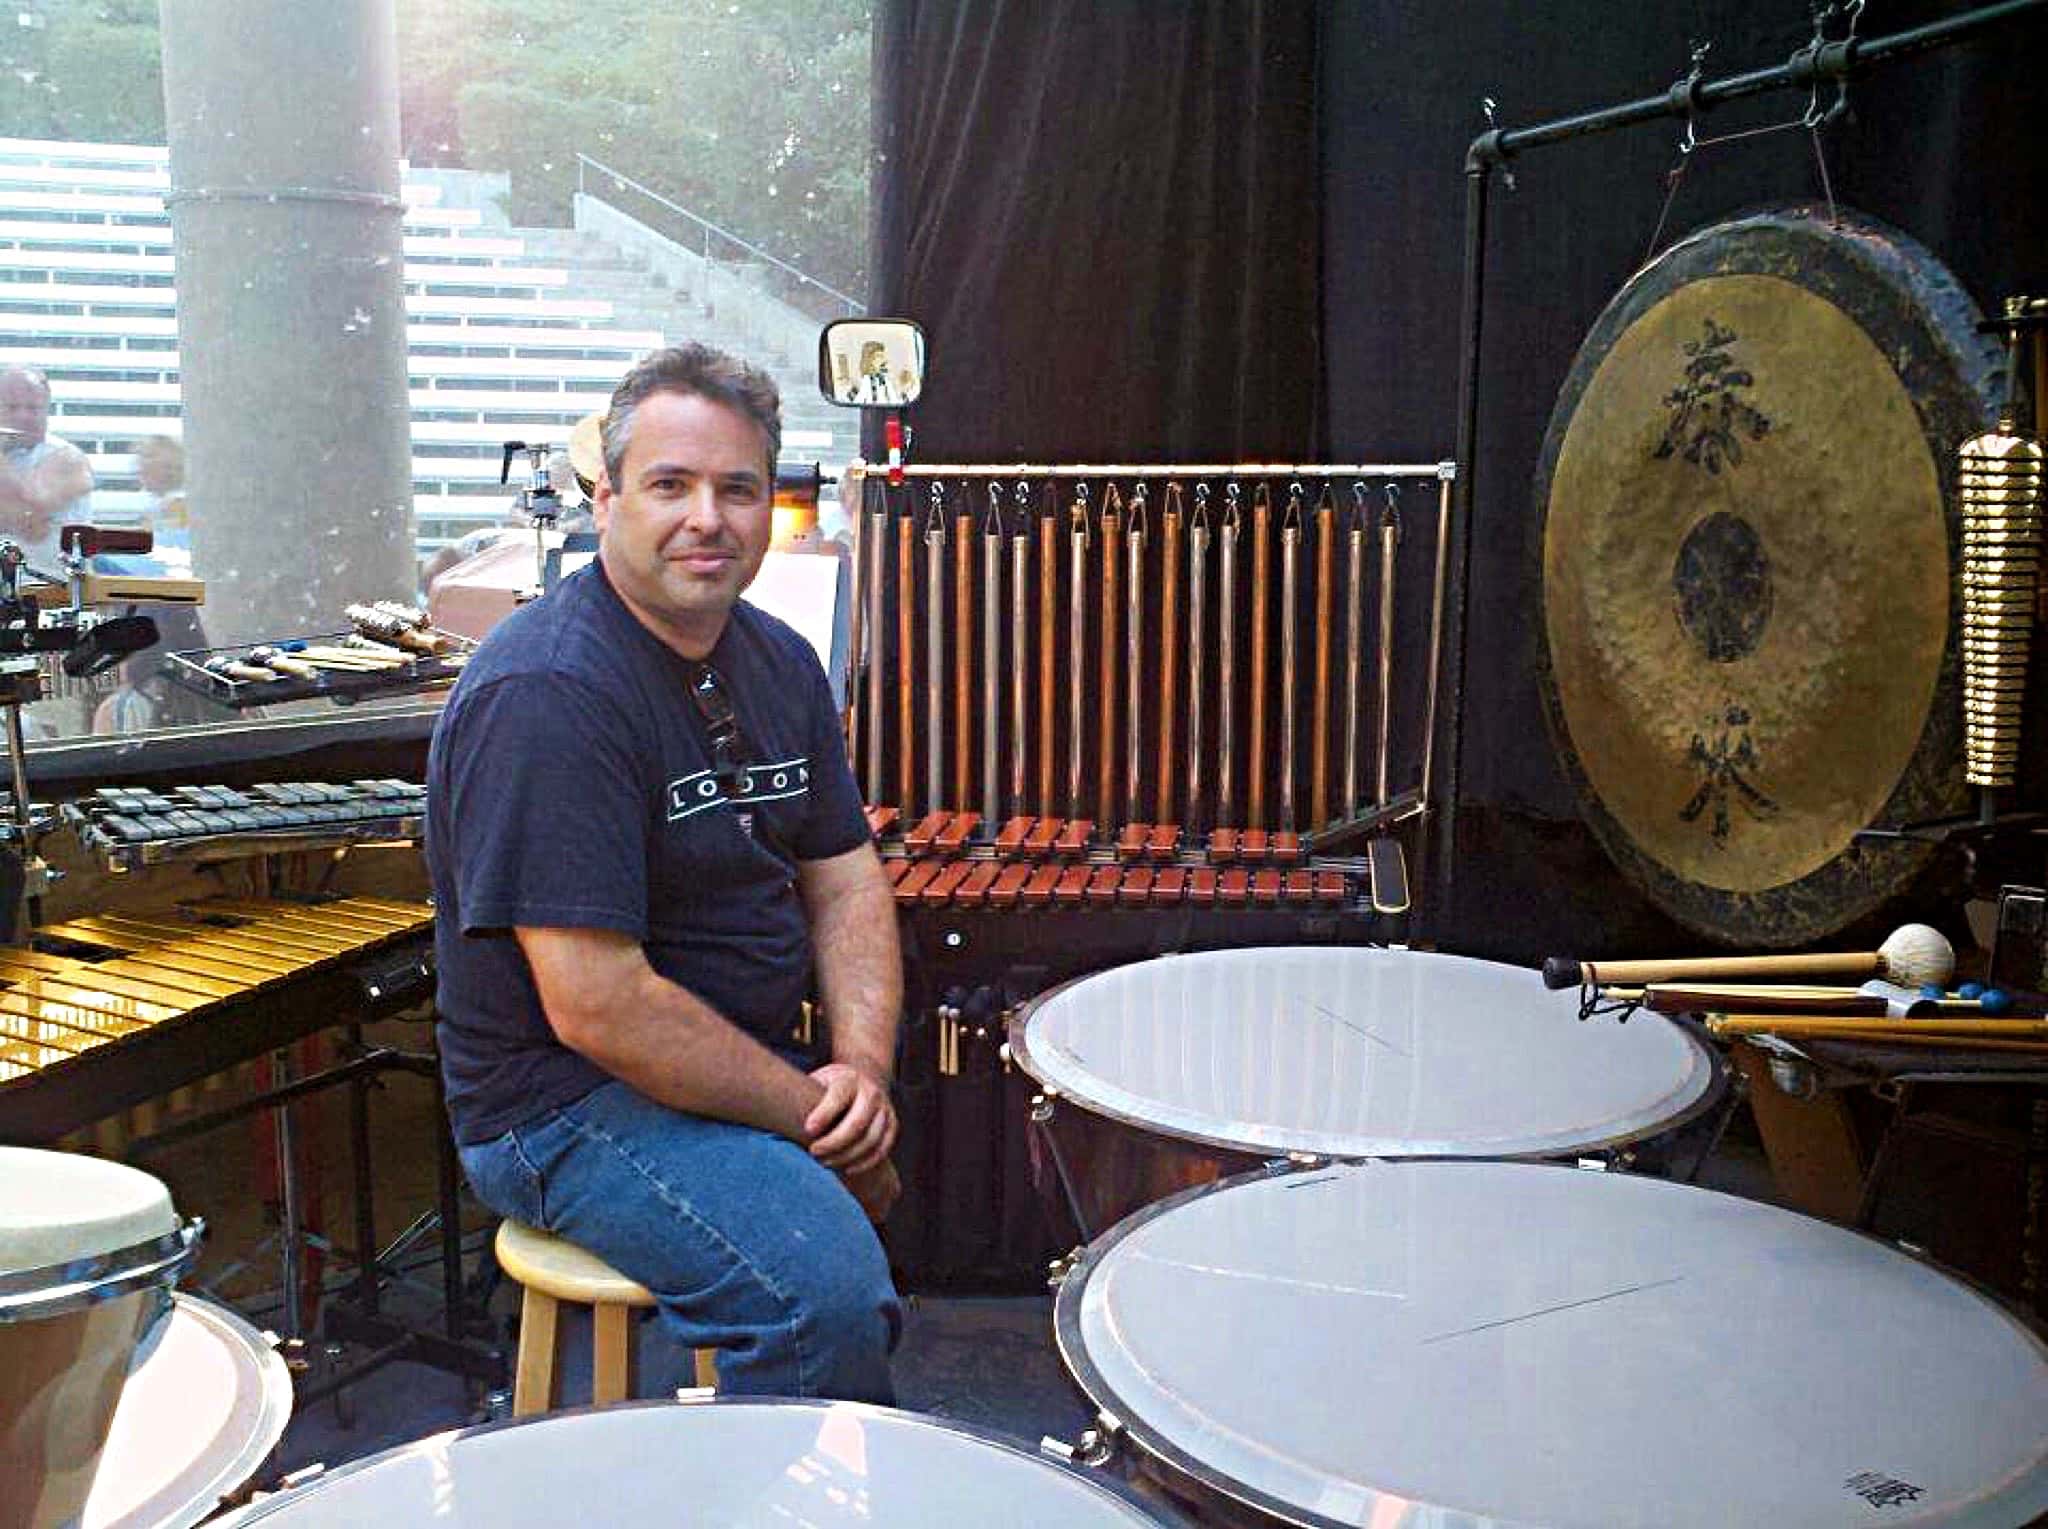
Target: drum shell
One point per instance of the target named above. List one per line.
(1113, 1170)
(1108, 1140)
(60, 1381)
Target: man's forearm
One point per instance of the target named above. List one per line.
(679, 1051)
(860, 971)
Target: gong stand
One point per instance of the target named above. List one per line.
(1820, 63)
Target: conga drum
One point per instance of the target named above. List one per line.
(1175, 1071)
(89, 1251)
(735, 1463)
(1487, 1344)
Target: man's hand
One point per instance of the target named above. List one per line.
(853, 1127)
(875, 1190)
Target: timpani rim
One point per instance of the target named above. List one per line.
(1706, 1069)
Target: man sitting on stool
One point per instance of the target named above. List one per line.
(644, 834)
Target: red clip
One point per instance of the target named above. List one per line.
(892, 436)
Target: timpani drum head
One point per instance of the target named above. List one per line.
(736, 1463)
(202, 1410)
(1461, 1344)
(1350, 1053)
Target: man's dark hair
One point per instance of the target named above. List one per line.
(700, 370)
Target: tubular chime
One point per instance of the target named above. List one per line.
(1145, 658)
(1999, 483)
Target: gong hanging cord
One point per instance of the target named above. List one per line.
(1811, 120)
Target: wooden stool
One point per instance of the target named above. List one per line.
(554, 1270)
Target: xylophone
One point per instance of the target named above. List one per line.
(106, 1012)
(128, 827)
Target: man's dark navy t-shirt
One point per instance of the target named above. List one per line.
(570, 786)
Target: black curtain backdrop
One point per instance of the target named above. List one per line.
(1139, 230)
(1104, 213)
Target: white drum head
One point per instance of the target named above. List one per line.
(1455, 1345)
(735, 1464)
(60, 1206)
(202, 1410)
(1351, 1053)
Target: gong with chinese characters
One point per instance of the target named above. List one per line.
(1747, 561)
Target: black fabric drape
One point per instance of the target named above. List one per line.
(1946, 146)
(1105, 216)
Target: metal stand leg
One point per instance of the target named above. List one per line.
(362, 1173)
(450, 1191)
(288, 1197)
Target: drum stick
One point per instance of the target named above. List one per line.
(906, 661)
(1676, 998)
(991, 658)
(1111, 522)
(1912, 955)
(1077, 648)
(1390, 541)
(1048, 644)
(1198, 594)
(1134, 654)
(935, 654)
(1262, 599)
(1290, 605)
(1226, 663)
(284, 663)
(963, 659)
(1169, 646)
(1319, 721)
(1020, 654)
(878, 531)
(1354, 644)
(1791, 1028)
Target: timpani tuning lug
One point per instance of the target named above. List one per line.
(1793, 1078)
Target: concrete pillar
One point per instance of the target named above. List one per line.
(285, 217)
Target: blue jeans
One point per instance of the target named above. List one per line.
(748, 1244)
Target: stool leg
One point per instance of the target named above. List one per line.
(533, 1386)
(611, 1376)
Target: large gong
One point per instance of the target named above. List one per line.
(1746, 568)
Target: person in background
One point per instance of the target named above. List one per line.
(45, 481)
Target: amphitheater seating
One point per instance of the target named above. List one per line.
(501, 343)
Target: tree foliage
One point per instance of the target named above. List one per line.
(754, 115)
(73, 70)
(751, 113)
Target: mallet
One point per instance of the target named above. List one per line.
(1913, 955)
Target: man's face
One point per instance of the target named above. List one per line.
(685, 532)
(24, 407)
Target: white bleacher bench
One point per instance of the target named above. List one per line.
(24, 329)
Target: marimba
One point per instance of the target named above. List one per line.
(108, 1011)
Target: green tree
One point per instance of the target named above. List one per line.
(78, 71)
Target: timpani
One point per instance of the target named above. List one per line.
(1184, 1068)
(735, 1462)
(1466, 1344)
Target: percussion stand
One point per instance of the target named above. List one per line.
(362, 1320)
